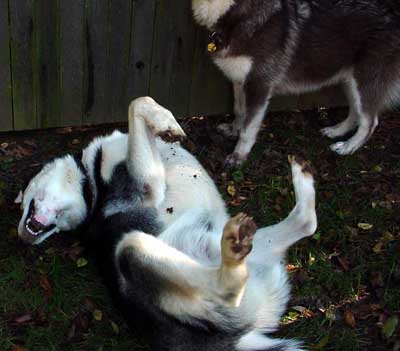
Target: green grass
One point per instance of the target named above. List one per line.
(333, 270)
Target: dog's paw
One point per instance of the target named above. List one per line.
(331, 132)
(300, 166)
(237, 238)
(227, 130)
(344, 148)
(233, 160)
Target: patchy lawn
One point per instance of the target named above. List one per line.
(346, 279)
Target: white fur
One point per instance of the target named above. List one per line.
(236, 68)
(208, 12)
(57, 195)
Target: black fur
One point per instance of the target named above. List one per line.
(139, 305)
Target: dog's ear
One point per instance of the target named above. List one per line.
(19, 198)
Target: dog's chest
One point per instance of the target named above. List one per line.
(236, 68)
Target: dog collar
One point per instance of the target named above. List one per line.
(214, 42)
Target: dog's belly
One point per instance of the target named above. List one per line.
(288, 86)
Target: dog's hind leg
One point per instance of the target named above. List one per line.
(372, 86)
(188, 287)
(350, 123)
(147, 119)
(271, 243)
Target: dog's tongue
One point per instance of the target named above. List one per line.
(43, 220)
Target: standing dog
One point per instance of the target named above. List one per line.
(273, 47)
(169, 252)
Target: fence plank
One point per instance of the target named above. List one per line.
(21, 25)
(97, 29)
(211, 93)
(46, 74)
(173, 55)
(71, 61)
(6, 118)
(141, 48)
(118, 57)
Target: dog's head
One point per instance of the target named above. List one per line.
(53, 201)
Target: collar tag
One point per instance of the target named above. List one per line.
(214, 42)
(211, 47)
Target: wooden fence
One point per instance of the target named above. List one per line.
(75, 62)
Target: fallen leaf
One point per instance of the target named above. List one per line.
(390, 326)
(114, 327)
(365, 226)
(317, 236)
(231, 190)
(18, 348)
(291, 268)
(97, 315)
(377, 169)
(305, 312)
(81, 262)
(321, 344)
(378, 247)
(46, 286)
(23, 319)
(349, 318)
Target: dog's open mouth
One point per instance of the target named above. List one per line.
(33, 227)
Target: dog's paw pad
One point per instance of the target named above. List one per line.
(300, 165)
(171, 136)
(237, 239)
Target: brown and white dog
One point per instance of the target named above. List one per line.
(274, 47)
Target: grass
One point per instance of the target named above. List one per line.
(345, 278)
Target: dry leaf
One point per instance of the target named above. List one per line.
(349, 318)
(46, 286)
(390, 327)
(114, 327)
(365, 226)
(81, 262)
(97, 315)
(23, 319)
(18, 348)
(231, 190)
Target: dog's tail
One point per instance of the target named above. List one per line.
(257, 341)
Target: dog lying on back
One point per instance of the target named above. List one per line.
(178, 266)
(275, 47)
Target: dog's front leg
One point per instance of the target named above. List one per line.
(256, 100)
(232, 130)
(147, 120)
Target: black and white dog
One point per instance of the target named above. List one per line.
(275, 47)
(168, 250)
